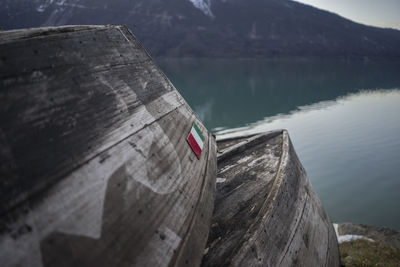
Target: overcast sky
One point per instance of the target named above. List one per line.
(381, 13)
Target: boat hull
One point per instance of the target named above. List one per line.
(95, 166)
(266, 211)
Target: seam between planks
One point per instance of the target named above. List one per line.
(203, 186)
(69, 172)
(295, 231)
(328, 247)
(273, 194)
(35, 35)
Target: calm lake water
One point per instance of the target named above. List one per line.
(343, 119)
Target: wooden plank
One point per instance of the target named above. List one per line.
(94, 162)
(266, 212)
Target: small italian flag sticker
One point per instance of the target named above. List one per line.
(196, 140)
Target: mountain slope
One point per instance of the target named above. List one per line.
(222, 28)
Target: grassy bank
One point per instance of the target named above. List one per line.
(372, 246)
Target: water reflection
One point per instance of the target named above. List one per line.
(365, 109)
(238, 92)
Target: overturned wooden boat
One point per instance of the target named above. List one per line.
(266, 211)
(95, 165)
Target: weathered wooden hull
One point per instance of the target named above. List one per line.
(94, 164)
(266, 211)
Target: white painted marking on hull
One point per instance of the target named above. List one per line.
(75, 205)
(142, 170)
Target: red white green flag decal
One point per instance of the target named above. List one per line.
(196, 140)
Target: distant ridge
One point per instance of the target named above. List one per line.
(216, 28)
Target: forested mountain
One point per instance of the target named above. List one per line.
(215, 28)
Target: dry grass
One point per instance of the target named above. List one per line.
(364, 253)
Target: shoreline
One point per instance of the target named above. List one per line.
(364, 245)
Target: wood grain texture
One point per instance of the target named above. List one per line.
(266, 212)
(94, 164)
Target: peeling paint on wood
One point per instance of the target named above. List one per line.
(95, 168)
(266, 212)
